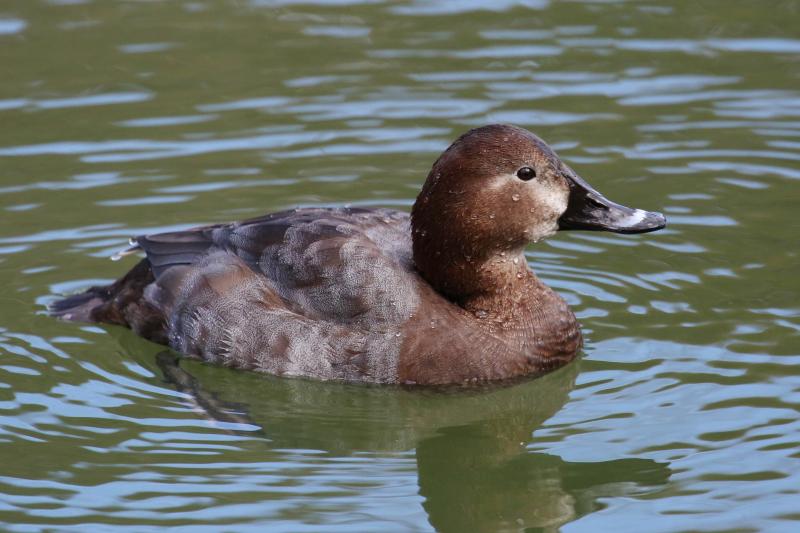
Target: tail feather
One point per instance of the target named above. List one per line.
(79, 307)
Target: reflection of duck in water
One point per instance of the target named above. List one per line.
(442, 296)
(473, 467)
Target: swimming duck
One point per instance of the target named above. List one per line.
(442, 296)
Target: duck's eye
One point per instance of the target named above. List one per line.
(526, 173)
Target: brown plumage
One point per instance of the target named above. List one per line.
(443, 296)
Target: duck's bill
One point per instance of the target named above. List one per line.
(589, 210)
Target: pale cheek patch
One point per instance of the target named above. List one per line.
(552, 198)
(549, 203)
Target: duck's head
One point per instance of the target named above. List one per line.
(498, 188)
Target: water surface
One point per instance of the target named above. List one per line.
(125, 117)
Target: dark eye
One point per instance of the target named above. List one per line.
(526, 173)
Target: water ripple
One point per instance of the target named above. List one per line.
(77, 101)
(10, 26)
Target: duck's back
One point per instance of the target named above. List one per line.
(343, 265)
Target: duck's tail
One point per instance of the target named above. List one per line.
(81, 307)
(121, 303)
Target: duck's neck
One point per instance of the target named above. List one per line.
(508, 290)
(495, 287)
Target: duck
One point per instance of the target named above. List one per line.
(441, 296)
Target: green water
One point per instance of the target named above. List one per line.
(124, 117)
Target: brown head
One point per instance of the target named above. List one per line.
(492, 192)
